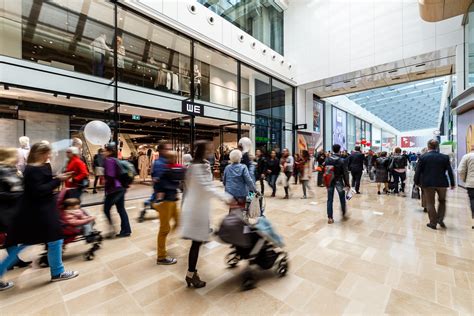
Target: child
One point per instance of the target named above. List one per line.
(75, 216)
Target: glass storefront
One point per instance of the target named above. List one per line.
(469, 47)
(80, 36)
(351, 132)
(263, 20)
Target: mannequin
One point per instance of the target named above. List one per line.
(197, 81)
(143, 165)
(99, 49)
(23, 152)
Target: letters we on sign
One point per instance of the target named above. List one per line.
(192, 108)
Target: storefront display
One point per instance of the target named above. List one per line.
(339, 127)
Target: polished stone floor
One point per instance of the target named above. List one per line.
(383, 260)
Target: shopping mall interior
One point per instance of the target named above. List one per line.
(387, 78)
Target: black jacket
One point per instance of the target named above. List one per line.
(398, 162)
(431, 171)
(273, 166)
(356, 162)
(341, 173)
(261, 167)
(37, 221)
(11, 190)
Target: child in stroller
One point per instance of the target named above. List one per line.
(253, 238)
(77, 225)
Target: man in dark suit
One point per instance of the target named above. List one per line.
(431, 176)
(356, 166)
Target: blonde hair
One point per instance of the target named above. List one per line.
(172, 156)
(37, 150)
(8, 156)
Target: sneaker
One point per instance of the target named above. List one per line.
(66, 275)
(304, 197)
(167, 261)
(330, 221)
(5, 285)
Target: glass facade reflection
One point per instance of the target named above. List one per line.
(469, 46)
(262, 21)
(80, 36)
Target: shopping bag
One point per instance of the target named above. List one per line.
(282, 180)
(415, 192)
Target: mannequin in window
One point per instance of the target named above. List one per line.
(23, 152)
(143, 165)
(99, 49)
(197, 81)
(120, 58)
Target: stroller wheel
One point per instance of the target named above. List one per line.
(248, 282)
(232, 259)
(89, 256)
(282, 268)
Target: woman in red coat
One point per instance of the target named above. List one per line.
(79, 179)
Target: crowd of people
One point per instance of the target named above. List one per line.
(29, 203)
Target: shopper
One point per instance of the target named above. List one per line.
(237, 180)
(79, 179)
(320, 158)
(114, 192)
(166, 204)
(355, 165)
(431, 176)
(340, 181)
(307, 172)
(273, 170)
(38, 220)
(398, 165)
(196, 207)
(98, 165)
(381, 172)
(260, 170)
(11, 191)
(245, 144)
(298, 166)
(287, 164)
(466, 173)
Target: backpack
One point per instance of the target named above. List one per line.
(329, 175)
(127, 173)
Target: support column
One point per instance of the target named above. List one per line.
(116, 103)
(239, 102)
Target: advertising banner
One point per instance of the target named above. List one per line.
(339, 127)
(317, 116)
(312, 142)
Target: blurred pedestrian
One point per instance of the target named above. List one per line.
(261, 169)
(398, 165)
(79, 179)
(355, 165)
(98, 165)
(195, 218)
(466, 173)
(320, 158)
(237, 180)
(38, 219)
(298, 166)
(273, 170)
(114, 192)
(287, 164)
(307, 172)
(381, 172)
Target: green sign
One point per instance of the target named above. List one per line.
(136, 117)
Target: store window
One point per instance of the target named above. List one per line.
(215, 77)
(152, 56)
(469, 53)
(351, 132)
(261, 19)
(282, 113)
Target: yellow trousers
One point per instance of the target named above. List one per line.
(167, 210)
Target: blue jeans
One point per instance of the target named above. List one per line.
(272, 182)
(117, 198)
(339, 187)
(55, 249)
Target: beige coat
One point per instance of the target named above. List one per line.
(466, 169)
(196, 209)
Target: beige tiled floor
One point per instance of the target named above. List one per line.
(384, 260)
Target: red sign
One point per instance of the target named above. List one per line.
(407, 141)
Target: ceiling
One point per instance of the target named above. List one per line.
(407, 106)
(429, 65)
(438, 10)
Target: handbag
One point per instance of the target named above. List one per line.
(415, 192)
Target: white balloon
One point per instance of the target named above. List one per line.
(97, 133)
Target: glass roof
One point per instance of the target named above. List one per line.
(406, 107)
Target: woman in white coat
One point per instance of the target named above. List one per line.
(195, 222)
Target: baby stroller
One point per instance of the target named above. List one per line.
(253, 239)
(73, 234)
